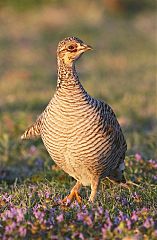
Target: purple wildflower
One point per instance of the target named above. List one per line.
(19, 215)
(32, 150)
(60, 218)
(67, 238)
(148, 223)
(100, 210)
(122, 216)
(38, 214)
(83, 216)
(39, 163)
(88, 220)
(153, 163)
(81, 236)
(75, 234)
(104, 232)
(144, 210)
(124, 201)
(75, 204)
(67, 201)
(106, 213)
(7, 198)
(7, 214)
(116, 220)
(109, 223)
(134, 216)
(128, 223)
(54, 237)
(80, 216)
(136, 197)
(138, 156)
(10, 228)
(15, 213)
(22, 231)
(47, 194)
(155, 177)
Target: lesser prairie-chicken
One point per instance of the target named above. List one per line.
(81, 133)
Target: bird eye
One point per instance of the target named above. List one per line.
(71, 47)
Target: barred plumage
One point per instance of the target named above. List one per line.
(34, 130)
(81, 134)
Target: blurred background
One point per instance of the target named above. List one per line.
(120, 70)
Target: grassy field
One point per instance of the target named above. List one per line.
(121, 71)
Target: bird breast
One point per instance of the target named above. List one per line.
(72, 134)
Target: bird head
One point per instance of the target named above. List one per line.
(70, 49)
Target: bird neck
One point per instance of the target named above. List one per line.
(67, 75)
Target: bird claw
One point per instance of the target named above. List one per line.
(125, 186)
(66, 201)
(69, 199)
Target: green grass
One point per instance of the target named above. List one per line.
(121, 71)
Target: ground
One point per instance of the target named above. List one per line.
(121, 71)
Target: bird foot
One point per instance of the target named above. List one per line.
(70, 198)
(125, 185)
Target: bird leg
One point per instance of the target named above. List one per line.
(94, 188)
(73, 194)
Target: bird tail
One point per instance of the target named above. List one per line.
(31, 132)
(119, 178)
(34, 130)
(117, 174)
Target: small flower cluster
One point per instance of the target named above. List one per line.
(13, 221)
(147, 167)
(124, 214)
(77, 222)
(153, 163)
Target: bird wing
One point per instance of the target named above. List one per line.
(112, 133)
(34, 130)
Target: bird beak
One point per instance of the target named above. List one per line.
(87, 47)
